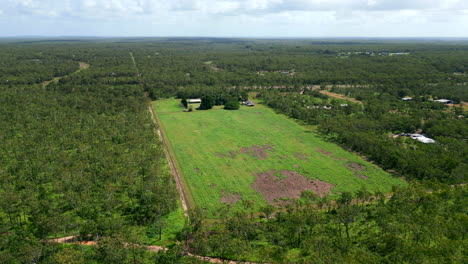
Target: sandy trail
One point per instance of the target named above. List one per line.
(83, 66)
(340, 96)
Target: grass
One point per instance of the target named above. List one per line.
(174, 224)
(198, 138)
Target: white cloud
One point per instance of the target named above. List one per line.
(237, 17)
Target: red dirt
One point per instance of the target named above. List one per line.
(230, 198)
(272, 188)
(257, 151)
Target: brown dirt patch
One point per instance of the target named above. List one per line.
(325, 152)
(301, 156)
(272, 188)
(230, 198)
(364, 177)
(259, 152)
(197, 170)
(356, 168)
(230, 154)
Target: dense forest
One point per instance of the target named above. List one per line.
(80, 155)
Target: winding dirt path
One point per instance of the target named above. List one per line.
(73, 240)
(83, 66)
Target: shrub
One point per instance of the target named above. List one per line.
(232, 105)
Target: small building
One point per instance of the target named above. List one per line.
(248, 103)
(422, 138)
(407, 98)
(343, 105)
(444, 101)
(194, 101)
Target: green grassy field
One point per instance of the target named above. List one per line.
(216, 153)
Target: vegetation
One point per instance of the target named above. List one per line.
(232, 105)
(412, 226)
(80, 154)
(78, 157)
(221, 154)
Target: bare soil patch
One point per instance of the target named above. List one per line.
(259, 152)
(301, 156)
(340, 96)
(197, 170)
(230, 154)
(364, 177)
(356, 169)
(354, 166)
(230, 198)
(272, 188)
(325, 152)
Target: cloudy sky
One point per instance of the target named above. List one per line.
(240, 18)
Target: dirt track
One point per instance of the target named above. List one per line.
(73, 240)
(83, 66)
(171, 161)
(340, 96)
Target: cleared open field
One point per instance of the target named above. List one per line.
(256, 154)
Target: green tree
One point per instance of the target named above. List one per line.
(207, 102)
(232, 105)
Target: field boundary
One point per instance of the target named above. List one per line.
(175, 170)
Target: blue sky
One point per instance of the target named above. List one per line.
(235, 18)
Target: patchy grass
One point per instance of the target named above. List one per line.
(173, 224)
(223, 152)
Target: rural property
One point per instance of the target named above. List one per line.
(256, 154)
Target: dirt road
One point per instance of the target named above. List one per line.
(172, 162)
(73, 240)
(83, 66)
(340, 96)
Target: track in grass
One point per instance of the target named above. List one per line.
(256, 154)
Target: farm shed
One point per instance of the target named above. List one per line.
(444, 101)
(194, 101)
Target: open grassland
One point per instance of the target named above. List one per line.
(256, 154)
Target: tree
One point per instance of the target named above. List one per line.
(207, 102)
(184, 102)
(232, 105)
